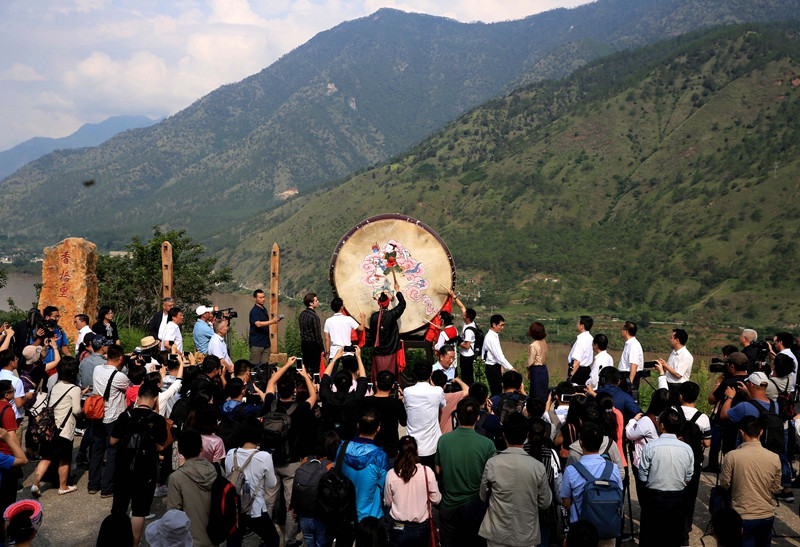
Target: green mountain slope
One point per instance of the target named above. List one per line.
(349, 98)
(658, 180)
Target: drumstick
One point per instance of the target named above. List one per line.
(434, 324)
(445, 288)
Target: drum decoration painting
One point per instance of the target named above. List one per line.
(380, 249)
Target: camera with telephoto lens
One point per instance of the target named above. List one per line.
(227, 313)
(718, 366)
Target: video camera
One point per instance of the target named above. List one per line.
(227, 313)
(718, 366)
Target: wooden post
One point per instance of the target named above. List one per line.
(167, 273)
(275, 266)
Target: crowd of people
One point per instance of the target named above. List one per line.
(315, 444)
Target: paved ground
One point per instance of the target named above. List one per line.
(74, 519)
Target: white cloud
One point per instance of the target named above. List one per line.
(234, 12)
(78, 6)
(81, 61)
(20, 72)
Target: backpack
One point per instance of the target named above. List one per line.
(336, 494)
(477, 344)
(94, 407)
(772, 424)
(510, 403)
(602, 502)
(690, 434)
(306, 484)
(140, 443)
(275, 435)
(43, 426)
(237, 477)
(784, 400)
(223, 519)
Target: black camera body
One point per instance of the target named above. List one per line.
(718, 366)
(228, 313)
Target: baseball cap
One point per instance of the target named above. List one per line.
(203, 309)
(758, 379)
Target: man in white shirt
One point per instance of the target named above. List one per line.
(423, 401)
(217, 346)
(781, 343)
(678, 367)
(466, 349)
(159, 320)
(339, 327)
(632, 358)
(581, 355)
(494, 356)
(171, 335)
(102, 478)
(602, 359)
(81, 322)
(447, 362)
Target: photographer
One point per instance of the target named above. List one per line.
(340, 407)
(723, 432)
(387, 401)
(454, 391)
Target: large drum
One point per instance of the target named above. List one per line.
(379, 249)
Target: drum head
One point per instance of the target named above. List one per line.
(365, 259)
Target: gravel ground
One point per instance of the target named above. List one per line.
(74, 519)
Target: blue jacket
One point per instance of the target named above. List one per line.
(622, 401)
(366, 465)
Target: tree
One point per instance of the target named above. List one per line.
(132, 283)
(3, 278)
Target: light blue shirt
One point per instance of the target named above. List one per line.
(573, 484)
(666, 464)
(201, 334)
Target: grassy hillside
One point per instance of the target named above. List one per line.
(661, 181)
(349, 98)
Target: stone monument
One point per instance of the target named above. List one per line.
(69, 282)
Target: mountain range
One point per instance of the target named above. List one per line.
(656, 182)
(89, 134)
(349, 98)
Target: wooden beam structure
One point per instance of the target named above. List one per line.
(167, 272)
(275, 267)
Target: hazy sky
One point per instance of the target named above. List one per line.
(64, 63)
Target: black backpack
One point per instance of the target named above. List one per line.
(223, 519)
(510, 403)
(784, 400)
(275, 433)
(140, 444)
(477, 345)
(690, 434)
(772, 424)
(336, 495)
(306, 485)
